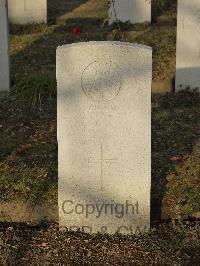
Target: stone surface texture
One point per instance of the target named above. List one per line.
(104, 136)
(135, 11)
(4, 48)
(188, 45)
(27, 11)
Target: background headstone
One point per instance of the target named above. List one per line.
(27, 11)
(4, 48)
(104, 136)
(188, 45)
(135, 11)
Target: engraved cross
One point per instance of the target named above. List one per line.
(102, 160)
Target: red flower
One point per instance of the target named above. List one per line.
(76, 31)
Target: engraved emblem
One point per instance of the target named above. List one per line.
(101, 80)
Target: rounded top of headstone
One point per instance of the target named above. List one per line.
(106, 43)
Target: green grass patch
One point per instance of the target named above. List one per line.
(35, 89)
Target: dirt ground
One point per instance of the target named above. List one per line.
(46, 245)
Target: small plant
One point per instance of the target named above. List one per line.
(35, 89)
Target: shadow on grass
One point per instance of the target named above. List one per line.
(40, 55)
(158, 9)
(65, 10)
(175, 121)
(61, 7)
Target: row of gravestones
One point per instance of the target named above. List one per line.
(188, 51)
(104, 125)
(26, 11)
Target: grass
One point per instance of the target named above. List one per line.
(33, 47)
(29, 149)
(28, 160)
(175, 123)
(183, 189)
(35, 89)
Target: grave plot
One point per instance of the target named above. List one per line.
(104, 136)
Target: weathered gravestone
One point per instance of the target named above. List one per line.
(135, 11)
(188, 45)
(4, 48)
(27, 11)
(104, 136)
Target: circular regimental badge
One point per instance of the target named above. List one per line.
(101, 80)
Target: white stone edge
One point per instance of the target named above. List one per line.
(111, 43)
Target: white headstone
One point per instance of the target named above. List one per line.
(104, 136)
(4, 48)
(27, 11)
(135, 11)
(188, 45)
